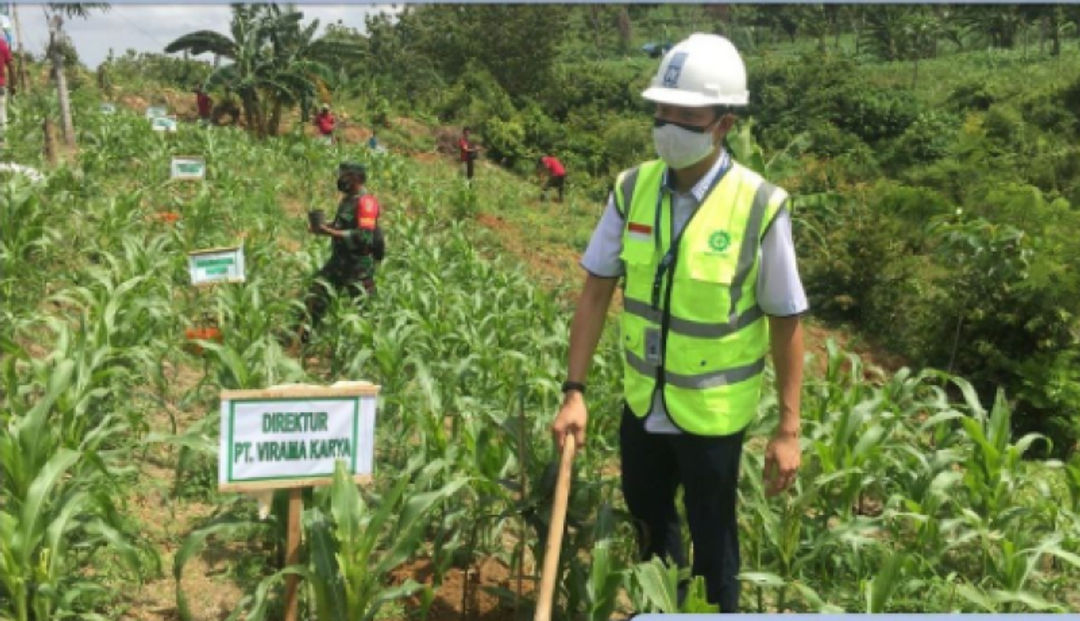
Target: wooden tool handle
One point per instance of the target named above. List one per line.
(555, 532)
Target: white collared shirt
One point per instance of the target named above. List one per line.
(779, 288)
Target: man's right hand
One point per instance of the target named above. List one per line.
(571, 418)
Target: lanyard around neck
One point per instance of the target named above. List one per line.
(667, 263)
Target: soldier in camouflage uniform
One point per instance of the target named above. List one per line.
(357, 244)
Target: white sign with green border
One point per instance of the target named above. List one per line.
(163, 124)
(216, 265)
(108, 108)
(294, 435)
(187, 167)
(154, 112)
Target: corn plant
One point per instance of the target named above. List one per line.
(354, 544)
(56, 506)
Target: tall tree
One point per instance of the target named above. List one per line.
(57, 39)
(517, 44)
(625, 30)
(999, 23)
(902, 32)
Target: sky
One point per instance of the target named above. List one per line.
(150, 27)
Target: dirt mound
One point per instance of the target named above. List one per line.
(134, 102)
(411, 126)
(355, 133)
(426, 157)
(446, 140)
(458, 598)
(181, 104)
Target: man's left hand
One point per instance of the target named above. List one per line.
(332, 232)
(782, 458)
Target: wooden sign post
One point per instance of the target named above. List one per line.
(291, 437)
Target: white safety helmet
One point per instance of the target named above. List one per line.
(701, 70)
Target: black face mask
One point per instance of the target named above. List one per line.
(694, 128)
(343, 184)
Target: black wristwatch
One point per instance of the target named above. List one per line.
(578, 386)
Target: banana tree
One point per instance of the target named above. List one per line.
(275, 61)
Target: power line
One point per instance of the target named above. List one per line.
(149, 36)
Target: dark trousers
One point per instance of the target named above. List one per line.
(469, 167)
(653, 466)
(318, 296)
(558, 183)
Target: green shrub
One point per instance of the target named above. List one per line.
(974, 95)
(912, 204)
(1010, 318)
(830, 140)
(1005, 125)
(628, 141)
(505, 140)
(873, 113)
(846, 255)
(928, 138)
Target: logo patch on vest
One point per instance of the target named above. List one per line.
(674, 68)
(719, 241)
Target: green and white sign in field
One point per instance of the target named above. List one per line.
(293, 435)
(216, 265)
(187, 167)
(154, 112)
(163, 124)
(108, 108)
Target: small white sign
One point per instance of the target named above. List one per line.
(293, 435)
(216, 265)
(108, 108)
(187, 168)
(163, 124)
(154, 112)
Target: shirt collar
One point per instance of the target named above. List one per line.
(702, 186)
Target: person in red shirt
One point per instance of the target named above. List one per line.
(556, 175)
(204, 103)
(6, 69)
(468, 153)
(324, 120)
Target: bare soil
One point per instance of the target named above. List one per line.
(457, 601)
(166, 521)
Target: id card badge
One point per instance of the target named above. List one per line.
(652, 346)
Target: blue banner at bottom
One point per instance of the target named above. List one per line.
(902, 616)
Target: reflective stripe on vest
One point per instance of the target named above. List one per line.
(714, 336)
(624, 187)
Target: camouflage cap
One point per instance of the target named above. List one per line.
(351, 168)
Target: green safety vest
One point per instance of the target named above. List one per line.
(708, 334)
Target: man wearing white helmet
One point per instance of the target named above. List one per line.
(711, 287)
